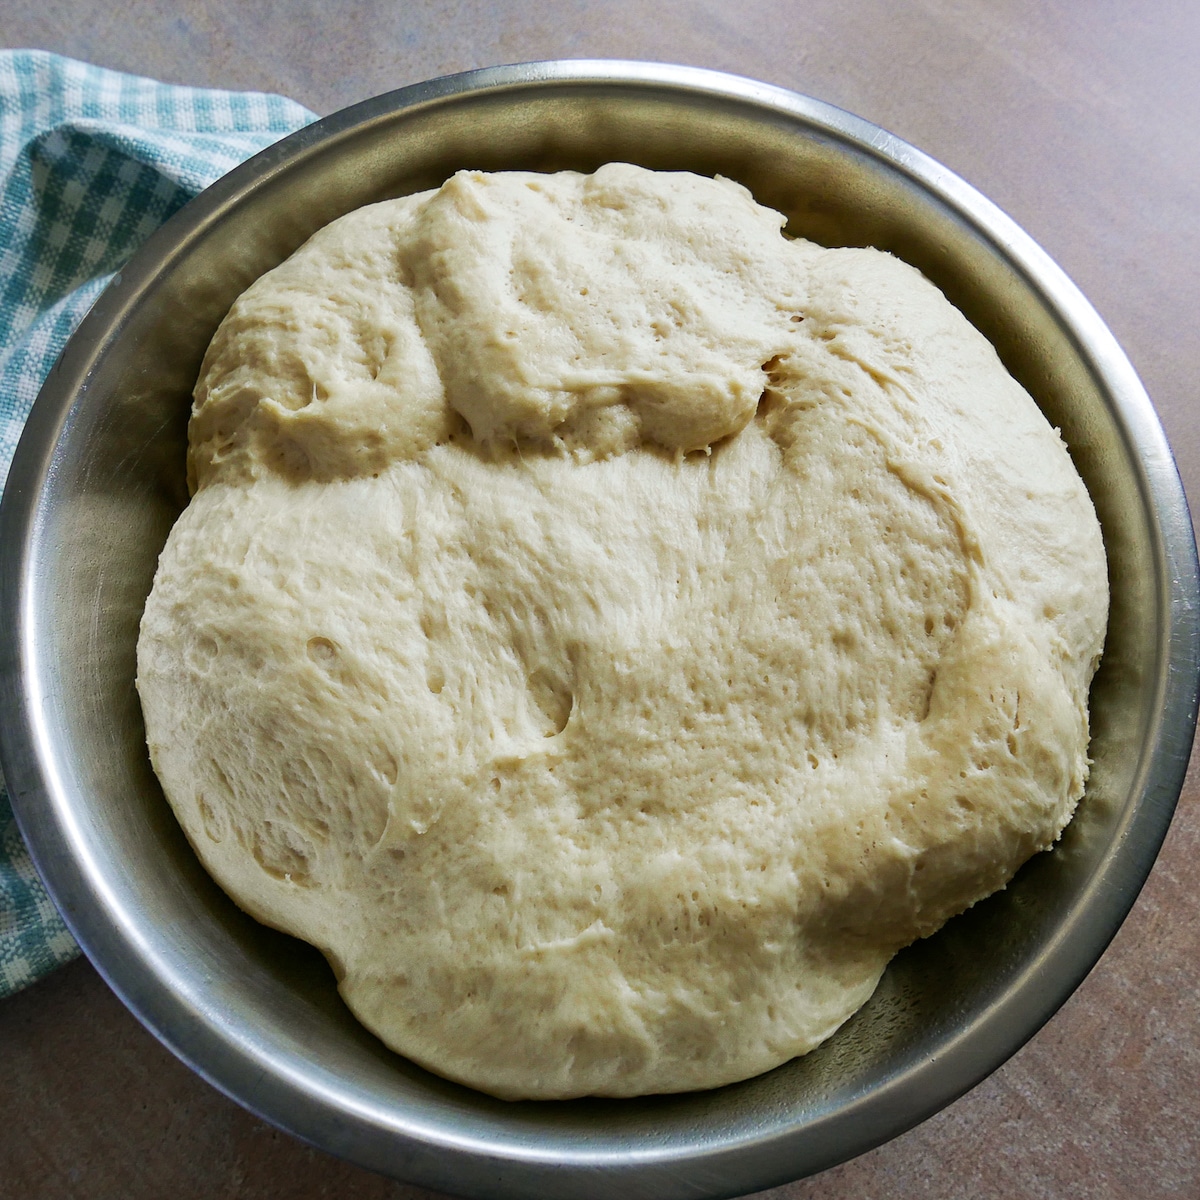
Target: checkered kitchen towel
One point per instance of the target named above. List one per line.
(91, 162)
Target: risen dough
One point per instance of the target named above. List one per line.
(610, 630)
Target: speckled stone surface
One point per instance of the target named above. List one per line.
(1076, 118)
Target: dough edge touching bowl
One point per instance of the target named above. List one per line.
(97, 481)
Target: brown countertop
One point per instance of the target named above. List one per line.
(1078, 119)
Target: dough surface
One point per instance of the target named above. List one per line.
(610, 630)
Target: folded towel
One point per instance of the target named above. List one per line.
(91, 163)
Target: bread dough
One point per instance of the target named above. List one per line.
(610, 630)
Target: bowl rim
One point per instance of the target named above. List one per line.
(434, 1157)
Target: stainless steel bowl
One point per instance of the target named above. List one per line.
(99, 478)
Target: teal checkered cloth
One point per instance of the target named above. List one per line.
(91, 163)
